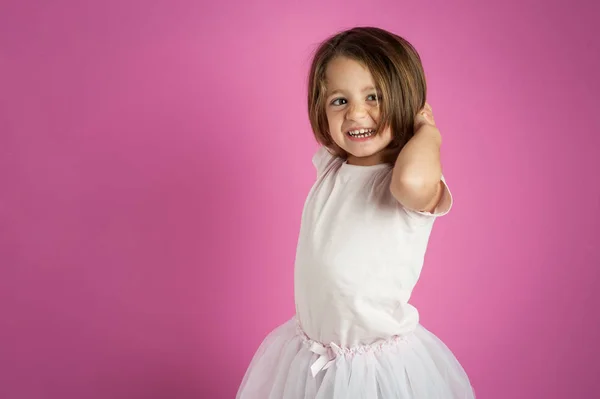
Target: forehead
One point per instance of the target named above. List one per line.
(345, 73)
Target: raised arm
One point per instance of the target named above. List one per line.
(416, 178)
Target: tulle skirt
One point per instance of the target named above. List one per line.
(288, 365)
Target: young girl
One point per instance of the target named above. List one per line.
(363, 237)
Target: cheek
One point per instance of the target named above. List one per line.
(329, 115)
(333, 118)
(374, 113)
(387, 134)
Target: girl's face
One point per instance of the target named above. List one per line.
(352, 109)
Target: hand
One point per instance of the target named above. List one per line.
(424, 117)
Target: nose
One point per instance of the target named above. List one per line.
(356, 111)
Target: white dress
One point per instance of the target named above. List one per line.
(354, 334)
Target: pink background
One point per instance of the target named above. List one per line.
(155, 157)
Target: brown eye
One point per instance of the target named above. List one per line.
(338, 101)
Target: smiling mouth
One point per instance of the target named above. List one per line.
(361, 133)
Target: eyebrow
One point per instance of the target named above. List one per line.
(338, 91)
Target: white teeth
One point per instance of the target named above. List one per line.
(361, 133)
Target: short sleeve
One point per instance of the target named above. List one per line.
(322, 159)
(442, 208)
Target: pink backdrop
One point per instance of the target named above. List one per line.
(154, 160)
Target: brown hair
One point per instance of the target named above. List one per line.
(396, 69)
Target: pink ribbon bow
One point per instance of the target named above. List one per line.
(326, 358)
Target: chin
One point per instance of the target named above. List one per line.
(363, 148)
(365, 151)
(362, 154)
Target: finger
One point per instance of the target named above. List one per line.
(426, 114)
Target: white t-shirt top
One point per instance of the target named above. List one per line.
(359, 255)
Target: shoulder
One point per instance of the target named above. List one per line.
(323, 159)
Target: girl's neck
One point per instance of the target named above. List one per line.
(371, 160)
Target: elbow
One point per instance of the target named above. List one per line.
(414, 192)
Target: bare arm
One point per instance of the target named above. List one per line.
(416, 178)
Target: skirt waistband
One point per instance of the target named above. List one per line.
(329, 353)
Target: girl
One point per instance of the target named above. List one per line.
(363, 237)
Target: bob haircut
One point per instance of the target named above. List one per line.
(397, 72)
